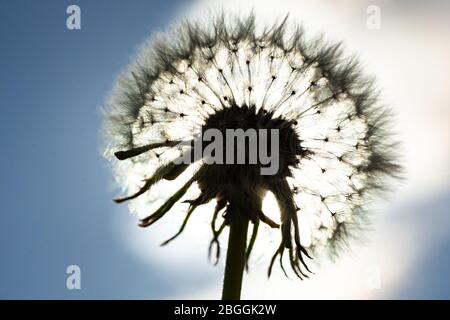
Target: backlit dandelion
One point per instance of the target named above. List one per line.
(335, 150)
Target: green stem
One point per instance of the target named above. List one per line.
(236, 256)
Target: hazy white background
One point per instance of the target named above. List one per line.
(410, 56)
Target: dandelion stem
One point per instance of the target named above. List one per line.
(236, 257)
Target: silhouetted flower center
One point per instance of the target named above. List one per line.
(239, 171)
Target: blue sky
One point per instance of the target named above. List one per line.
(56, 205)
(56, 188)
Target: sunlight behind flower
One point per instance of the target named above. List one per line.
(420, 129)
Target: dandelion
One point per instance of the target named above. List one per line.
(335, 148)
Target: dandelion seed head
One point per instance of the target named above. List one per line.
(182, 79)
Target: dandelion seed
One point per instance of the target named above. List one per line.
(335, 150)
